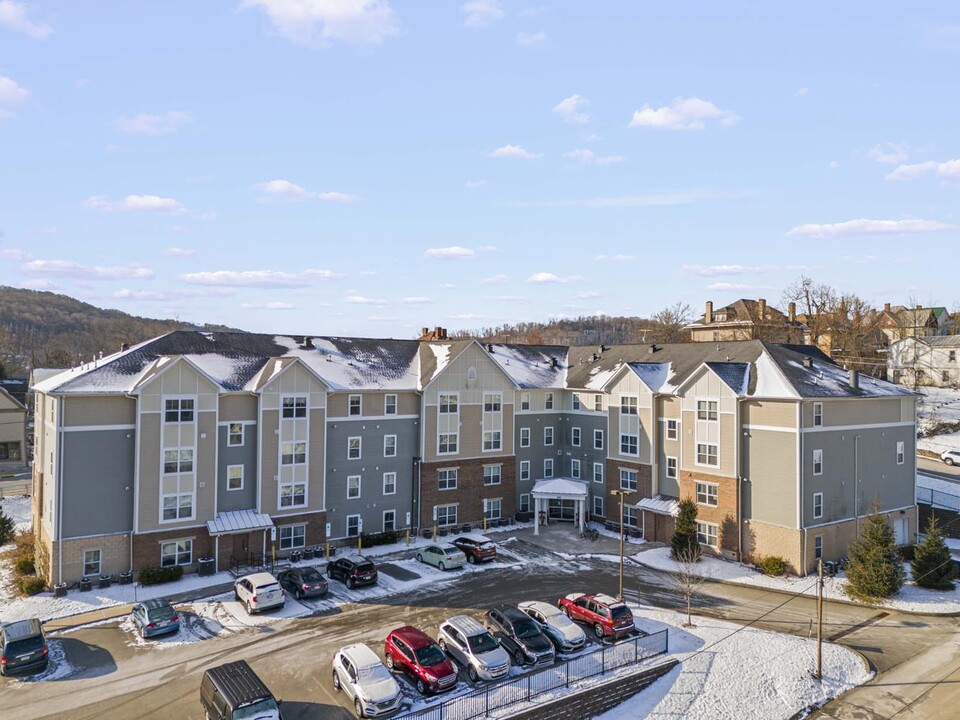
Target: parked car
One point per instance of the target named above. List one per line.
(519, 635)
(234, 692)
(565, 634)
(23, 648)
(474, 648)
(445, 557)
(951, 457)
(155, 617)
(412, 651)
(606, 615)
(477, 548)
(259, 591)
(352, 570)
(360, 674)
(306, 582)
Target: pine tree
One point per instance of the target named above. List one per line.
(932, 566)
(7, 528)
(684, 545)
(875, 570)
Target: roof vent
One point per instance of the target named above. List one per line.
(490, 348)
(653, 348)
(854, 380)
(124, 347)
(807, 362)
(594, 357)
(553, 362)
(308, 343)
(601, 348)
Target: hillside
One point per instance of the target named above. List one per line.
(44, 329)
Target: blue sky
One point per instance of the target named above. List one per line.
(369, 167)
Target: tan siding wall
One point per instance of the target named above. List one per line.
(234, 408)
(114, 410)
(337, 404)
(770, 465)
(670, 407)
(373, 403)
(855, 412)
(769, 412)
(408, 403)
(270, 458)
(149, 478)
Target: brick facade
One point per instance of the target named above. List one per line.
(146, 546)
(470, 492)
(611, 502)
(724, 515)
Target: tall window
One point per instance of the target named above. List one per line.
(525, 502)
(630, 516)
(672, 468)
(446, 514)
(576, 401)
(598, 505)
(293, 536)
(548, 467)
(575, 468)
(575, 436)
(548, 436)
(672, 429)
(389, 445)
(293, 493)
(524, 401)
(178, 410)
(448, 404)
(818, 462)
(176, 552)
(817, 414)
(629, 444)
(628, 404)
(524, 469)
(707, 534)
(598, 403)
(234, 477)
(353, 525)
(177, 499)
(235, 434)
(389, 520)
(356, 405)
(389, 404)
(353, 448)
(628, 479)
(353, 487)
(548, 401)
(293, 453)
(706, 494)
(598, 439)
(598, 472)
(389, 483)
(491, 508)
(91, 562)
(524, 437)
(707, 454)
(177, 460)
(491, 440)
(447, 479)
(491, 474)
(294, 407)
(818, 547)
(706, 409)
(818, 505)
(492, 421)
(900, 453)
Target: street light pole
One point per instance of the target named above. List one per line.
(621, 494)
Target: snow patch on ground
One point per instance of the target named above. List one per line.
(937, 405)
(940, 443)
(17, 508)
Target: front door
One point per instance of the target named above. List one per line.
(900, 527)
(564, 510)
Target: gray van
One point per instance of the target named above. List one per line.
(234, 692)
(22, 647)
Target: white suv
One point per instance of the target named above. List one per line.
(951, 457)
(474, 648)
(359, 673)
(259, 591)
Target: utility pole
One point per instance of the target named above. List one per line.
(819, 674)
(620, 494)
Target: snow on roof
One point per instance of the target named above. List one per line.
(824, 378)
(661, 505)
(653, 375)
(357, 363)
(736, 376)
(560, 486)
(599, 376)
(441, 354)
(532, 366)
(771, 382)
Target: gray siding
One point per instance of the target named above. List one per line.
(245, 455)
(98, 482)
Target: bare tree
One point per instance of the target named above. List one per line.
(667, 325)
(687, 580)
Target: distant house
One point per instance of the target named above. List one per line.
(930, 361)
(747, 320)
(898, 322)
(13, 419)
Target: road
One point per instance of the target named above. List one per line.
(937, 468)
(121, 681)
(16, 481)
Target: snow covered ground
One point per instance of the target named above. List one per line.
(937, 405)
(911, 598)
(17, 508)
(940, 443)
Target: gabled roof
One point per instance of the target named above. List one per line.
(13, 401)
(16, 388)
(743, 312)
(435, 356)
(531, 366)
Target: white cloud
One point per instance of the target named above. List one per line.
(862, 226)
(11, 94)
(166, 296)
(481, 13)
(41, 284)
(716, 270)
(588, 295)
(514, 152)
(889, 153)
(316, 22)
(525, 39)
(179, 252)
(151, 124)
(287, 190)
(71, 269)
(588, 157)
(948, 171)
(592, 137)
(474, 184)
(546, 278)
(508, 298)
(334, 196)
(495, 280)
(682, 114)
(454, 252)
(14, 254)
(571, 109)
(361, 300)
(135, 203)
(618, 258)
(802, 92)
(834, 164)
(417, 300)
(13, 16)
(276, 305)
(259, 278)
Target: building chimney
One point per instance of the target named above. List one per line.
(807, 362)
(708, 313)
(424, 332)
(792, 312)
(854, 380)
(308, 343)
(553, 362)
(124, 347)
(886, 307)
(919, 307)
(653, 348)
(762, 309)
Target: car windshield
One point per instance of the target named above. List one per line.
(365, 567)
(430, 655)
(620, 612)
(267, 587)
(525, 628)
(160, 613)
(27, 645)
(560, 620)
(309, 575)
(374, 673)
(483, 643)
(450, 550)
(261, 710)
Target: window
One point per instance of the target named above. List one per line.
(353, 448)
(389, 404)
(900, 453)
(818, 462)
(945, 376)
(629, 444)
(389, 483)
(525, 401)
(293, 494)
(446, 514)
(448, 404)
(952, 356)
(817, 414)
(673, 428)
(818, 547)
(293, 453)
(447, 479)
(598, 505)
(575, 468)
(447, 444)
(598, 472)
(707, 534)
(818, 505)
(548, 401)
(575, 437)
(524, 437)
(548, 468)
(178, 504)
(706, 409)
(491, 440)
(91, 562)
(672, 468)
(598, 403)
(629, 516)
(353, 525)
(548, 436)
(707, 454)
(355, 405)
(628, 404)
(628, 479)
(178, 410)
(389, 445)
(353, 487)
(491, 402)
(706, 494)
(598, 439)
(389, 520)
(294, 407)
(491, 508)
(293, 536)
(491, 474)
(576, 401)
(524, 469)
(178, 460)
(176, 552)
(525, 502)
(234, 477)
(235, 434)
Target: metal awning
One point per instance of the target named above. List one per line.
(660, 505)
(236, 521)
(565, 488)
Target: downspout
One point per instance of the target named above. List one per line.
(738, 473)
(654, 446)
(800, 495)
(59, 471)
(136, 475)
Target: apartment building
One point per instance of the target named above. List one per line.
(228, 445)
(925, 361)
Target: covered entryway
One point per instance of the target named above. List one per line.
(658, 518)
(243, 534)
(559, 499)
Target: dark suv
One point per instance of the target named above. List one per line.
(353, 570)
(22, 647)
(417, 654)
(519, 635)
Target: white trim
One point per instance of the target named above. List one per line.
(853, 519)
(552, 435)
(359, 479)
(848, 428)
(224, 423)
(817, 516)
(817, 453)
(529, 474)
(359, 447)
(242, 479)
(350, 397)
(369, 418)
(522, 444)
(676, 468)
(383, 489)
(769, 428)
(94, 428)
(396, 406)
(395, 448)
(383, 521)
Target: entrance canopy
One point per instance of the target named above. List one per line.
(660, 505)
(560, 488)
(238, 521)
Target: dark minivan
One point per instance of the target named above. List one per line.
(22, 647)
(234, 692)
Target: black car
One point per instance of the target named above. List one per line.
(353, 570)
(23, 647)
(519, 635)
(302, 583)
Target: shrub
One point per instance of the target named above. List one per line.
(157, 575)
(932, 566)
(773, 566)
(31, 584)
(6, 528)
(683, 544)
(25, 542)
(383, 538)
(875, 570)
(24, 565)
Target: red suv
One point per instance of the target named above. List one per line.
(414, 652)
(607, 615)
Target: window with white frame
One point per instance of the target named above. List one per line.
(491, 440)
(234, 477)
(492, 421)
(447, 443)
(575, 468)
(524, 469)
(389, 520)
(177, 498)
(630, 516)
(354, 445)
(672, 468)
(818, 547)
(707, 410)
(235, 434)
(293, 493)
(548, 467)
(525, 401)
(900, 453)
(293, 453)
(628, 479)
(598, 472)
(389, 483)
(448, 404)
(707, 454)
(91, 562)
(177, 460)
(389, 404)
(524, 437)
(818, 462)
(598, 505)
(491, 474)
(818, 505)
(629, 444)
(707, 494)
(294, 407)
(598, 439)
(629, 425)
(176, 552)
(673, 429)
(355, 405)
(353, 487)
(548, 436)
(446, 514)
(707, 534)
(817, 414)
(548, 401)
(491, 508)
(353, 525)
(492, 402)
(389, 445)
(629, 404)
(525, 502)
(447, 479)
(576, 401)
(293, 536)
(178, 410)
(575, 437)
(598, 403)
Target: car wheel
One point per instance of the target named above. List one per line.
(249, 610)
(358, 706)
(351, 582)
(298, 594)
(565, 610)
(419, 558)
(518, 657)
(421, 686)
(336, 681)
(390, 664)
(471, 559)
(236, 595)
(442, 566)
(949, 461)
(472, 674)
(598, 630)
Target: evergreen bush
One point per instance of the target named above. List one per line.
(932, 566)
(875, 570)
(683, 544)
